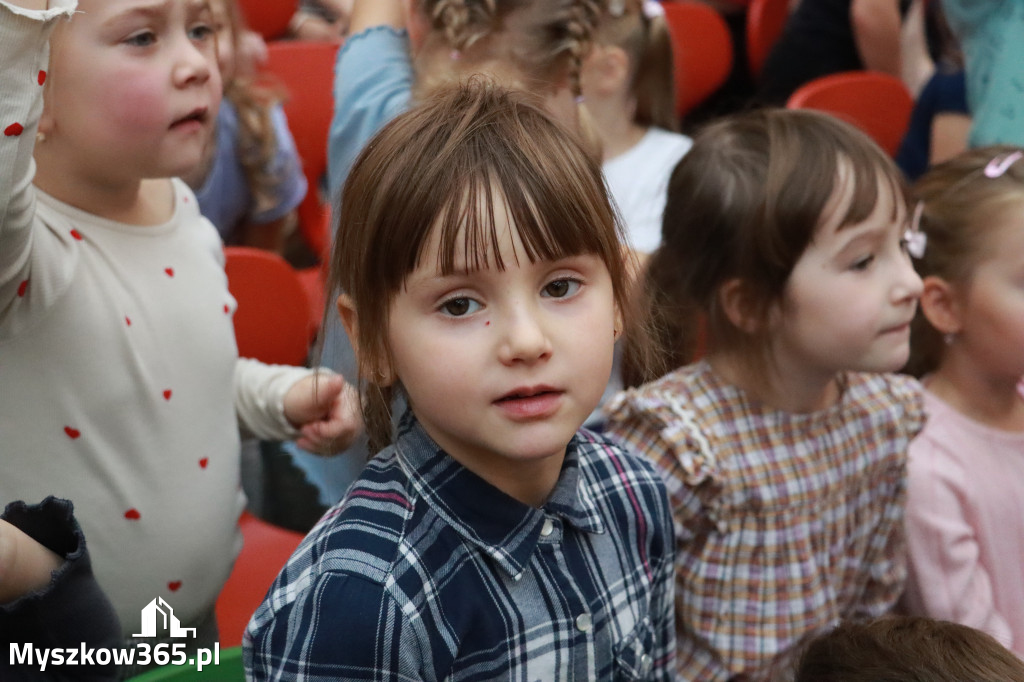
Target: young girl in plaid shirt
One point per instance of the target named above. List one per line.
(784, 448)
(491, 538)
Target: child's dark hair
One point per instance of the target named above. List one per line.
(448, 165)
(744, 204)
(907, 649)
(957, 201)
(647, 42)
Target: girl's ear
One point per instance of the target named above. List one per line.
(940, 306)
(382, 376)
(737, 304)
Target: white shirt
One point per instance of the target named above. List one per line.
(638, 182)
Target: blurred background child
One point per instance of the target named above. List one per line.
(629, 88)
(784, 449)
(965, 513)
(250, 181)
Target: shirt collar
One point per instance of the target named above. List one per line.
(499, 525)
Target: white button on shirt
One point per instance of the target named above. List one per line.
(548, 528)
(583, 622)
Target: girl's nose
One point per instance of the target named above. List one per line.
(908, 283)
(192, 65)
(524, 339)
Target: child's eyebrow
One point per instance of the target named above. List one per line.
(151, 10)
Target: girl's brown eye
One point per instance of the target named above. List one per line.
(558, 288)
(456, 307)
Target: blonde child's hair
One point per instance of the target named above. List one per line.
(447, 166)
(253, 99)
(744, 203)
(544, 41)
(645, 38)
(957, 200)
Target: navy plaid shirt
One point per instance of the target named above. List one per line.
(427, 572)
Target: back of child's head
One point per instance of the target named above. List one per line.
(744, 204)
(957, 201)
(252, 99)
(448, 165)
(640, 29)
(907, 649)
(540, 43)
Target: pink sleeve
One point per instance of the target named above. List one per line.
(946, 578)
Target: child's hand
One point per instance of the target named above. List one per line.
(326, 409)
(25, 565)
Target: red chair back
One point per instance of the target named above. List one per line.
(306, 70)
(702, 51)
(765, 21)
(269, 18)
(265, 551)
(875, 102)
(272, 322)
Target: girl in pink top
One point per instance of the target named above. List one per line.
(965, 517)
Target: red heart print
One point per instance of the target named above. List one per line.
(203, 462)
(41, 78)
(77, 235)
(227, 310)
(72, 433)
(133, 514)
(128, 320)
(167, 394)
(14, 130)
(174, 585)
(169, 271)
(22, 288)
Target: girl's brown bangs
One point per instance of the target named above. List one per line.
(554, 215)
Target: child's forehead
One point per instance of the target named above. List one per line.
(109, 8)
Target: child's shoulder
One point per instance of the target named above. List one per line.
(899, 395)
(607, 458)
(687, 393)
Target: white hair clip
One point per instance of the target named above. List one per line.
(914, 239)
(653, 9)
(999, 165)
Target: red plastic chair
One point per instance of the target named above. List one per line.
(265, 551)
(269, 18)
(306, 71)
(702, 51)
(765, 21)
(875, 102)
(272, 322)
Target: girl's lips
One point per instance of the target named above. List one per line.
(532, 405)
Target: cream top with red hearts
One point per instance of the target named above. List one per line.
(120, 383)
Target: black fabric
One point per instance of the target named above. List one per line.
(70, 612)
(817, 40)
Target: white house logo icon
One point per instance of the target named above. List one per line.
(170, 623)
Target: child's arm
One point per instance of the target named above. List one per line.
(25, 27)
(276, 402)
(947, 578)
(25, 565)
(341, 627)
(373, 83)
